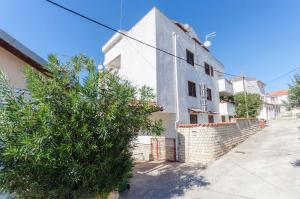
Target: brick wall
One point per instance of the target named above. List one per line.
(205, 143)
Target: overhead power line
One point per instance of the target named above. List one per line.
(280, 76)
(124, 34)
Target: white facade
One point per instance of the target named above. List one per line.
(252, 85)
(166, 74)
(227, 109)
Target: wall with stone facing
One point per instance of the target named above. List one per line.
(142, 152)
(160, 148)
(205, 143)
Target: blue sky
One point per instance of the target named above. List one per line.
(254, 37)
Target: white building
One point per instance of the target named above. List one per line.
(279, 98)
(252, 85)
(226, 107)
(187, 92)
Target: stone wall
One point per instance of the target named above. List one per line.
(205, 143)
(142, 152)
(159, 149)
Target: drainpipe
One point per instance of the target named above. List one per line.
(176, 90)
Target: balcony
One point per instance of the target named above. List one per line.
(227, 108)
(225, 87)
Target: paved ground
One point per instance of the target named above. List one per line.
(266, 166)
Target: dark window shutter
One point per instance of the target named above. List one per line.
(210, 119)
(190, 57)
(193, 119)
(211, 71)
(192, 89)
(209, 97)
(206, 67)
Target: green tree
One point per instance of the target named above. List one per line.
(252, 103)
(74, 137)
(294, 93)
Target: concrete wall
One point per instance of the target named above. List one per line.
(207, 142)
(12, 66)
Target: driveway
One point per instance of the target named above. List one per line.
(266, 166)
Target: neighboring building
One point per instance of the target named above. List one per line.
(227, 109)
(187, 92)
(252, 85)
(279, 98)
(14, 56)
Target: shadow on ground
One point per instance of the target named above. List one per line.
(163, 180)
(296, 163)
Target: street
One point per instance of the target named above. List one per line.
(266, 166)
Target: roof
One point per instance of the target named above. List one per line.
(279, 92)
(13, 46)
(237, 79)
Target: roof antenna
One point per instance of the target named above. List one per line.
(207, 43)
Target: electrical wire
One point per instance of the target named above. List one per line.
(124, 34)
(280, 76)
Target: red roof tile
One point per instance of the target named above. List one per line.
(278, 93)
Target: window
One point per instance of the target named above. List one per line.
(206, 66)
(223, 118)
(193, 119)
(211, 71)
(210, 119)
(190, 57)
(209, 97)
(192, 89)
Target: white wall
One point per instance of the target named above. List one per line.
(138, 62)
(186, 72)
(13, 67)
(227, 108)
(144, 65)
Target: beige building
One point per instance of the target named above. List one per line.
(14, 56)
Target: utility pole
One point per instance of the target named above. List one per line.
(245, 96)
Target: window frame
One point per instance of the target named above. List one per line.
(206, 68)
(190, 57)
(192, 90)
(209, 94)
(193, 119)
(211, 119)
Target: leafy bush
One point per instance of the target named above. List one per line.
(252, 104)
(294, 93)
(73, 139)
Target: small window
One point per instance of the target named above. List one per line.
(210, 119)
(190, 57)
(193, 119)
(192, 89)
(209, 97)
(223, 118)
(206, 66)
(211, 71)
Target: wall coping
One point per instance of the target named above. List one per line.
(205, 124)
(213, 124)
